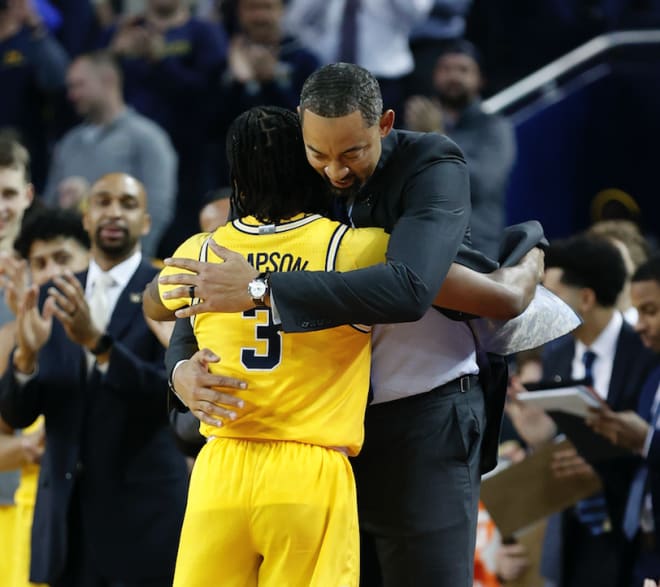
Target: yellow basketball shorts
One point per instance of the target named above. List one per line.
(22, 540)
(273, 514)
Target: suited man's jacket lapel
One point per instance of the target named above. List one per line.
(624, 357)
(557, 364)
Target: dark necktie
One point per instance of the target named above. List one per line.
(340, 211)
(592, 512)
(348, 32)
(588, 359)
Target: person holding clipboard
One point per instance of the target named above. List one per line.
(585, 545)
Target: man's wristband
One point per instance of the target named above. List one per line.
(103, 345)
(170, 382)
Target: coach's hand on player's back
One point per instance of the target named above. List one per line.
(199, 389)
(220, 287)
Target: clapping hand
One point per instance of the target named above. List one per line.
(33, 329)
(423, 114)
(239, 61)
(14, 279)
(70, 307)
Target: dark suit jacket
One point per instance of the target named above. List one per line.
(631, 366)
(107, 435)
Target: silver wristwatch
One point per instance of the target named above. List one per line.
(258, 288)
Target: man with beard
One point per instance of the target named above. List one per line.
(486, 140)
(87, 361)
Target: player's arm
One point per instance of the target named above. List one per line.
(157, 307)
(502, 294)
(19, 450)
(152, 304)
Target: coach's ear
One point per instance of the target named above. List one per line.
(386, 123)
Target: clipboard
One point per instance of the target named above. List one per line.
(593, 447)
(527, 492)
(568, 406)
(575, 399)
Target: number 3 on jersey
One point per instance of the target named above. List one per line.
(268, 335)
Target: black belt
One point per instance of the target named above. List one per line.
(464, 383)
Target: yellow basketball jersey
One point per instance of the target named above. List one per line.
(306, 387)
(26, 492)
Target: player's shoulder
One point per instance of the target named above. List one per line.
(191, 247)
(361, 247)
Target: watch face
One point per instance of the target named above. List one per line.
(257, 289)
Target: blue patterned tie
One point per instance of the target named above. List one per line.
(592, 512)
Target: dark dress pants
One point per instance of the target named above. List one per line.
(81, 569)
(418, 488)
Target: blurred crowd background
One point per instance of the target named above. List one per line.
(149, 87)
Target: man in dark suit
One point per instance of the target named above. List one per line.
(423, 437)
(585, 545)
(89, 363)
(640, 432)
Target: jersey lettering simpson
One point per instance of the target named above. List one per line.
(305, 387)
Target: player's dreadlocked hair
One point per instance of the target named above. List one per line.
(339, 89)
(270, 176)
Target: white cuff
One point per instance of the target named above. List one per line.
(171, 381)
(23, 378)
(273, 311)
(102, 368)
